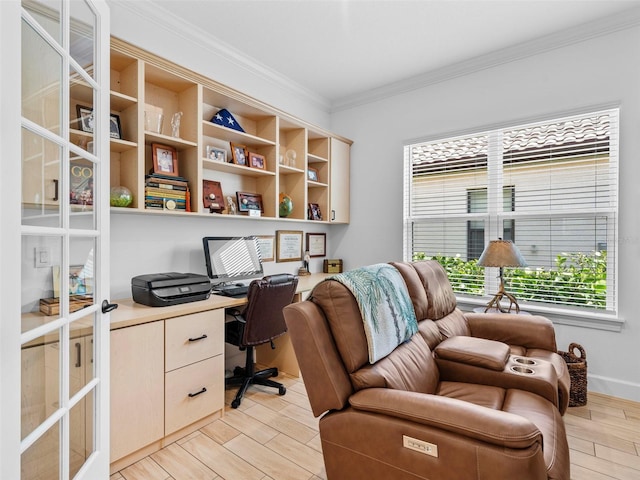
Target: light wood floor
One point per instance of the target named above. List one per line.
(273, 437)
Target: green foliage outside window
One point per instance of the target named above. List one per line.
(576, 279)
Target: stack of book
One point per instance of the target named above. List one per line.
(164, 192)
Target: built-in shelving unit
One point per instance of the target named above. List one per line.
(143, 85)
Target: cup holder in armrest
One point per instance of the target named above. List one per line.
(525, 361)
(523, 370)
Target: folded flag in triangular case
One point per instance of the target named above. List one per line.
(224, 118)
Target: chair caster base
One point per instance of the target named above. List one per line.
(235, 403)
(282, 390)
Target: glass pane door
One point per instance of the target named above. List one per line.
(64, 334)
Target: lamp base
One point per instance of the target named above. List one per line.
(495, 301)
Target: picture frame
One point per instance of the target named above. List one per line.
(249, 201)
(115, 130)
(86, 122)
(266, 247)
(212, 198)
(165, 159)
(316, 244)
(239, 154)
(79, 282)
(289, 245)
(312, 174)
(216, 154)
(314, 212)
(85, 118)
(257, 161)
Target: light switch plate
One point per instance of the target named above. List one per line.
(42, 257)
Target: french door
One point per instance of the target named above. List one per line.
(61, 262)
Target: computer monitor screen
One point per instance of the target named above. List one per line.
(232, 258)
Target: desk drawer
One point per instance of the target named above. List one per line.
(191, 338)
(180, 408)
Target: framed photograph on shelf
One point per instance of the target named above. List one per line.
(165, 159)
(317, 244)
(249, 201)
(85, 118)
(115, 131)
(239, 154)
(266, 247)
(288, 246)
(216, 154)
(313, 212)
(312, 174)
(257, 161)
(212, 196)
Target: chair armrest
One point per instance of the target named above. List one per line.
(457, 416)
(530, 331)
(475, 351)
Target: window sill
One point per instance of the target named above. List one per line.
(574, 318)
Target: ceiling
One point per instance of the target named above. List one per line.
(337, 49)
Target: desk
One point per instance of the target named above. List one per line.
(161, 354)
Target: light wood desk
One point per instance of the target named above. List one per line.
(167, 370)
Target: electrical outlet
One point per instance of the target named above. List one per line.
(43, 257)
(420, 446)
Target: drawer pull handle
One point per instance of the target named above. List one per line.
(198, 338)
(204, 389)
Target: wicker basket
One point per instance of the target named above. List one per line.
(577, 366)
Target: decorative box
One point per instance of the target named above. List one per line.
(332, 266)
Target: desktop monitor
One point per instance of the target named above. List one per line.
(230, 259)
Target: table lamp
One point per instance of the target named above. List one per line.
(502, 253)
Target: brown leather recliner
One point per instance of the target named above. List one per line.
(529, 337)
(401, 418)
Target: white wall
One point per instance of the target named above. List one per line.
(595, 73)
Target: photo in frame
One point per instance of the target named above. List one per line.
(212, 196)
(312, 174)
(249, 201)
(266, 247)
(86, 122)
(165, 159)
(317, 244)
(85, 118)
(239, 154)
(80, 280)
(115, 130)
(216, 154)
(288, 246)
(257, 161)
(314, 212)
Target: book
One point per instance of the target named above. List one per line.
(166, 186)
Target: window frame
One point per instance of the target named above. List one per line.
(494, 220)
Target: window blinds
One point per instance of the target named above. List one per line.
(551, 187)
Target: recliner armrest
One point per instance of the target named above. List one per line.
(530, 331)
(457, 416)
(478, 352)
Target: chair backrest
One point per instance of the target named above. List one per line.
(265, 300)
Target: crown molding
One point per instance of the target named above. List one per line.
(605, 26)
(163, 18)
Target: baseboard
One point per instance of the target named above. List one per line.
(614, 387)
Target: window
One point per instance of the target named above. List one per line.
(554, 182)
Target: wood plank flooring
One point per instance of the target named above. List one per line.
(276, 438)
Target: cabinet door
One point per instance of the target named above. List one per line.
(137, 387)
(340, 166)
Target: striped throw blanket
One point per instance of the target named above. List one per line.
(385, 306)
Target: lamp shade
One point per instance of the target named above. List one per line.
(501, 253)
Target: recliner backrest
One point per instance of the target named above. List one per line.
(266, 298)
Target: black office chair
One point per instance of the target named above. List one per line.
(260, 322)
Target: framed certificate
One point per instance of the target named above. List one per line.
(266, 244)
(317, 244)
(288, 246)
